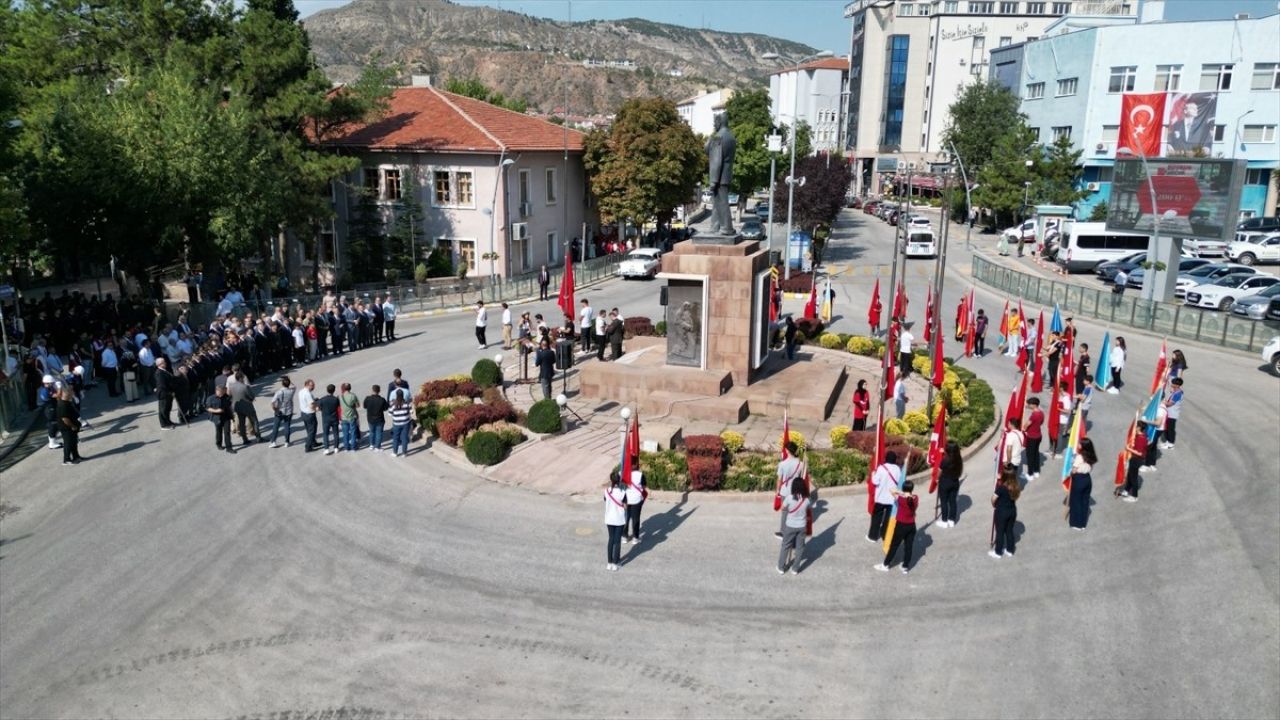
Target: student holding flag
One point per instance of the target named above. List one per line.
(1137, 451)
(1005, 502)
(949, 472)
(904, 528)
(790, 469)
(1080, 480)
(795, 512)
(1173, 410)
(615, 517)
(884, 481)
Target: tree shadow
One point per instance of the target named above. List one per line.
(127, 447)
(819, 545)
(656, 529)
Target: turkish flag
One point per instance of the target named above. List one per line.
(937, 445)
(1141, 122)
(565, 301)
(873, 312)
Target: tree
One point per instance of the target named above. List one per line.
(1099, 212)
(748, 114)
(1059, 173)
(646, 164)
(804, 140)
(404, 241)
(819, 200)
(1002, 180)
(366, 239)
(978, 119)
(473, 88)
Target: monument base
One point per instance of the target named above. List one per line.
(716, 239)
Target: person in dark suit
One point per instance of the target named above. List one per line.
(1191, 132)
(545, 361)
(219, 406)
(378, 319)
(544, 279)
(614, 332)
(164, 392)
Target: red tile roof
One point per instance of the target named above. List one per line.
(424, 118)
(820, 64)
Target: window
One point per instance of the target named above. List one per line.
(1062, 8)
(1035, 134)
(1122, 79)
(1258, 134)
(1005, 40)
(977, 7)
(522, 183)
(467, 255)
(463, 181)
(1168, 78)
(978, 56)
(1032, 37)
(453, 188)
(371, 178)
(1008, 8)
(1266, 76)
(1219, 133)
(552, 245)
(1062, 131)
(1067, 87)
(1110, 134)
(906, 10)
(951, 6)
(1035, 8)
(444, 192)
(391, 184)
(1256, 176)
(895, 89)
(551, 186)
(1216, 76)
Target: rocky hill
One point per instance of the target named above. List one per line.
(603, 62)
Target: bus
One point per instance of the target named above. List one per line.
(1089, 244)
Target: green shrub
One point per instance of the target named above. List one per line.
(420, 273)
(510, 433)
(486, 373)
(917, 421)
(894, 426)
(859, 345)
(660, 329)
(733, 441)
(664, 470)
(830, 341)
(829, 468)
(485, 448)
(839, 436)
(544, 417)
(751, 472)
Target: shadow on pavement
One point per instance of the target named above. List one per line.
(127, 447)
(820, 544)
(656, 529)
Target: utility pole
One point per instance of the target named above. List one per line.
(938, 276)
(968, 199)
(890, 353)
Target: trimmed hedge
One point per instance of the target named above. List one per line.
(705, 457)
(449, 387)
(544, 417)
(485, 448)
(864, 441)
(486, 373)
(799, 282)
(638, 326)
(704, 445)
(469, 418)
(758, 472)
(811, 328)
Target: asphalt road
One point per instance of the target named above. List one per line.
(161, 580)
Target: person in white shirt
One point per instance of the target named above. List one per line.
(110, 369)
(389, 319)
(615, 517)
(1065, 406)
(1013, 444)
(506, 326)
(1118, 351)
(636, 494)
(905, 338)
(885, 482)
(1029, 345)
(482, 324)
(586, 317)
(900, 396)
(600, 323)
(305, 403)
(146, 368)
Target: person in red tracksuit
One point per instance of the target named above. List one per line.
(904, 531)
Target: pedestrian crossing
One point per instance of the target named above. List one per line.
(851, 270)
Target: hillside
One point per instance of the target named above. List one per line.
(532, 58)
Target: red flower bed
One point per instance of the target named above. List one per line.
(704, 446)
(471, 417)
(811, 328)
(799, 282)
(441, 389)
(705, 473)
(864, 441)
(638, 326)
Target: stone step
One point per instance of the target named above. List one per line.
(665, 403)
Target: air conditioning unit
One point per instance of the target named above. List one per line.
(526, 209)
(519, 231)
(1093, 187)
(962, 62)
(1100, 147)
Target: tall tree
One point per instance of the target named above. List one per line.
(1059, 173)
(1003, 181)
(405, 241)
(646, 164)
(748, 114)
(982, 114)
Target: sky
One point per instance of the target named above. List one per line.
(817, 23)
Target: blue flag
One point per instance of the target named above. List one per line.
(1102, 378)
(1150, 413)
(1055, 324)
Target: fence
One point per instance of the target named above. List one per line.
(1208, 326)
(417, 298)
(13, 405)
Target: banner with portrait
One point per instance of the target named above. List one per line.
(1189, 127)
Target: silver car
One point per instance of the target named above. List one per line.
(1254, 307)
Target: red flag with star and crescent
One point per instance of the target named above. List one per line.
(1141, 122)
(873, 312)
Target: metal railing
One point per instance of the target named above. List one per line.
(426, 297)
(13, 405)
(1174, 320)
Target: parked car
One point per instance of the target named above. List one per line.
(1255, 248)
(1254, 307)
(1107, 271)
(640, 263)
(1204, 248)
(1271, 355)
(870, 206)
(1259, 224)
(892, 217)
(733, 199)
(1273, 310)
(1208, 273)
(1027, 231)
(751, 230)
(1185, 265)
(1221, 293)
(918, 221)
(762, 211)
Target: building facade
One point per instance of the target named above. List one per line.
(1072, 82)
(502, 192)
(699, 111)
(814, 93)
(910, 59)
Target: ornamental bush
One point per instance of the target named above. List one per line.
(917, 422)
(796, 437)
(894, 426)
(811, 328)
(660, 328)
(637, 326)
(704, 446)
(751, 472)
(733, 441)
(485, 448)
(830, 341)
(922, 365)
(705, 473)
(448, 387)
(486, 373)
(544, 417)
(799, 282)
(466, 419)
(859, 345)
(664, 470)
(839, 436)
(510, 433)
(829, 468)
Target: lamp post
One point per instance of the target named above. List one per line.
(1238, 140)
(492, 212)
(795, 123)
(622, 432)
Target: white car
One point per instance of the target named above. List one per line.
(640, 263)
(1207, 273)
(918, 221)
(1255, 249)
(1027, 231)
(1203, 248)
(1219, 294)
(1271, 354)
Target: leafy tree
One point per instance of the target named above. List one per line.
(978, 119)
(366, 239)
(748, 114)
(1059, 175)
(1002, 180)
(405, 239)
(819, 200)
(1099, 212)
(647, 163)
(473, 88)
(804, 140)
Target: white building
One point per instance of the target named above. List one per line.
(699, 111)
(814, 93)
(1073, 80)
(909, 60)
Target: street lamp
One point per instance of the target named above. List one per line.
(791, 178)
(1238, 135)
(492, 212)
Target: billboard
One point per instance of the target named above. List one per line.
(1195, 198)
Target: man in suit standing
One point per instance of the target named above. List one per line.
(219, 406)
(1191, 132)
(164, 391)
(614, 332)
(544, 279)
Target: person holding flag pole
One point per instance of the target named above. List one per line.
(873, 310)
(633, 478)
(885, 481)
(902, 523)
(789, 470)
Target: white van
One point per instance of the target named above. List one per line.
(1087, 245)
(921, 242)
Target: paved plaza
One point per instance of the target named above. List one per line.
(159, 579)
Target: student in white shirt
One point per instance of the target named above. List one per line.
(305, 403)
(482, 324)
(900, 396)
(615, 517)
(905, 338)
(506, 326)
(636, 494)
(885, 482)
(389, 319)
(1014, 443)
(586, 317)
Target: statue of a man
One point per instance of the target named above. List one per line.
(721, 147)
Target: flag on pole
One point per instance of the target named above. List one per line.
(1102, 376)
(1054, 400)
(1055, 324)
(937, 446)
(808, 484)
(1124, 453)
(811, 306)
(1037, 381)
(937, 361)
(971, 328)
(890, 366)
(1152, 408)
(893, 512)
(826, 301)
(1068, 457)
(900, 302)
(565, 300)
(633, 447)
(1162, 364)
(873, 311)
(876, 458)
(928, 317)
(626, 455)
(786, 434)
(1003, 336)
(962, 317)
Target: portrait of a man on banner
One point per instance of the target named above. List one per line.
(1190, 122)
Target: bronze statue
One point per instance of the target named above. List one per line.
(720, 150)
